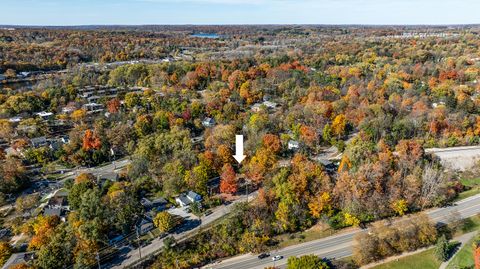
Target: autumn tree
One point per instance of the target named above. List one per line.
(91, 141)
(5, 252)
(228, 180)
(164, 221)
(113, 106)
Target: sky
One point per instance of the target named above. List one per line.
(138, 12)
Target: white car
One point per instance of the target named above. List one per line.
(277, 257)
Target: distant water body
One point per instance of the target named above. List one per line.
(206, 35)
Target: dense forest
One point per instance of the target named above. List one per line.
(377, 96)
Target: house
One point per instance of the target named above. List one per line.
(293, 145)
(194, 197)
(39, 141)
(208, 122)
(4, 233)
(158, 204)
(144, 226)
(256, 107)
(182, 200)
(270, 105)
(16, 119)
(93, 108)
(56, 143)
(329, 166)
(111, 176)
(18, 258)
(44, 115)
(2, 77)
(53, 211)
(68, 109)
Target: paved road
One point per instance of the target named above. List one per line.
(99, 170)
(340, 245)
(132, 255)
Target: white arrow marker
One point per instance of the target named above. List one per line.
(239, 148)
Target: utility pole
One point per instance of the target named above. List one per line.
(246, 180)
(98, 261)
(139, 245)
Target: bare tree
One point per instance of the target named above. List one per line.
(432, 184)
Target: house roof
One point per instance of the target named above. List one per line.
(38, 140)
(194, 196)
(18, 258)
(183, 199)
(52, 211)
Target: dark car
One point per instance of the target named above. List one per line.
(263, 255)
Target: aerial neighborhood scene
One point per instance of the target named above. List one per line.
(228, 134)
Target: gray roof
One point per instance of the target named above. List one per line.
(52, 211)
(18, 258)
(183, 198)
(38, 141)
(193, 196)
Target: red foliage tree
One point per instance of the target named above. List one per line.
(228, 180)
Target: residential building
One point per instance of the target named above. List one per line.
(182, 200)
(145, 226)
(194, 197)
(18, 258)
(45, 115)
(39, 141)
(208, 122)
(293, 145)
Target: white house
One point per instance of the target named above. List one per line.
(186, 199)
(293, 145)
(45, 115)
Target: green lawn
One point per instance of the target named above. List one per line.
(473, 184)
(423, 260)
(469, 225)
(286, 240)
(464, 257)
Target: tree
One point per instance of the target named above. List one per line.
(476, 253)
(5, 252)
(400, 207)
(91, 141)
(322, 204)
(228, 180)
(306, 262)
(79, 115)
(338, 125)
(169, 242)
(442, 249)
(58, 253)
(164, 221)
(113, 106)
(272, 142)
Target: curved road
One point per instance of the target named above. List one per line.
(341, 245)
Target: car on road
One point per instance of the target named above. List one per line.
(263, 255)
(208, 212)
(277, 257)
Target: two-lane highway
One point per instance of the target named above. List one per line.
(341, 245)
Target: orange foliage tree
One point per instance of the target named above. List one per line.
(228, 180)
(91, 140)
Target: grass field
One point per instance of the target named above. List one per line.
(463, 258)
(301, 237)
(424, 260)
(473, 184)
